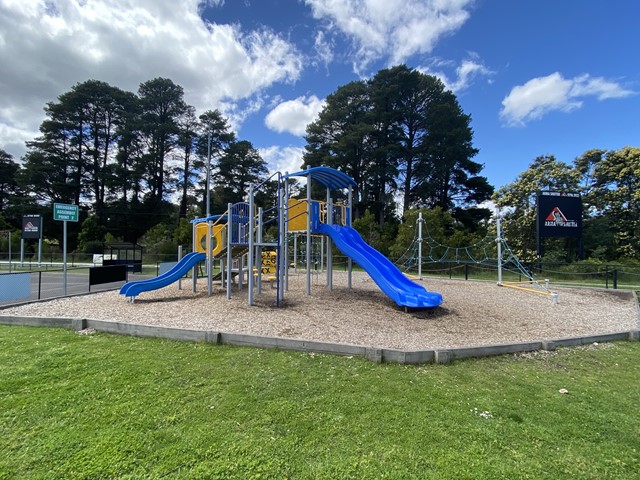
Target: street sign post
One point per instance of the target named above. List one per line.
(65, 213)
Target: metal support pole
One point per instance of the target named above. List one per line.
(285, 236)
(295, 252)
(321, 253)
(22, 252)
(9, 251)
(229, 248)
(179, 258)
(350, 262)
(282, 250)
(64, 255)
(209, 257)
(308, 253)
(194, 272)
(420, 220)
(209, 261)
(40, 249)
(208, 204)
(252, 259)
(329, 244)
(499, 243)
(258, 261)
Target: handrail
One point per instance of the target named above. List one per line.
(257, 187)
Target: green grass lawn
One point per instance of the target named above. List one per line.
(103, 406)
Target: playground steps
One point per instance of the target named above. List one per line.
(218, 276)
(236, 251)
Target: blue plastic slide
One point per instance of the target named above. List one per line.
(132, 289)
(386, 275)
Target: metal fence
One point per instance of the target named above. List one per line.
(622, 276)
(53, 261)
(570, 274)
(50, 283)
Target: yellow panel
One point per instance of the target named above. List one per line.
(201, 238)
(297, 215)
(269, 262)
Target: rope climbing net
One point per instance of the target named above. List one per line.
(491, 252)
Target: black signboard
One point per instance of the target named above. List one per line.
(559, 214)
(32, 227)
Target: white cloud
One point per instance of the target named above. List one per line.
(392, 29)
(323, 49)
(282, 159)
(542, 95)
(293, 116)
(47, 47)
(236, 112)
(466, 73)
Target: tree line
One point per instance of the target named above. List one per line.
(609, 184)
(123, 156)
(135, 162)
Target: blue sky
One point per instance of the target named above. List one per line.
(543, 77)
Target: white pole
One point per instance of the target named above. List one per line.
(9, 251)
(22, 252)
(499, 243)
(209, 260)
(207, 206)
(40, 245)
(420, 245)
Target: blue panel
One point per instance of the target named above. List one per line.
(329, 177)
(315, 216)
(15, 286)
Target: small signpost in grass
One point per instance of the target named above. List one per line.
(65, 213)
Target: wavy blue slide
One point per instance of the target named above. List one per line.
(386, 275)
(132, 289)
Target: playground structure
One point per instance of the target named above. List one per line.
(491, 251)
(238, 237)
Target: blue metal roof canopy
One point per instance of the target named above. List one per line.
(329, 177)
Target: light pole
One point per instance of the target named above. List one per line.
(207, 206)
(209, 223)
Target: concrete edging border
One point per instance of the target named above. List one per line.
(378, 355)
